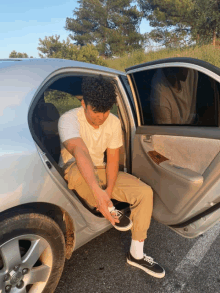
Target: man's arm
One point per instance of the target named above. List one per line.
(112, 169)
(78, 149)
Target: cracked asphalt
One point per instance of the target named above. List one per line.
(100, 265)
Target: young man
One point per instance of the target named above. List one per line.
(86, 133)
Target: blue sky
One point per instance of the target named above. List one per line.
(24, 22)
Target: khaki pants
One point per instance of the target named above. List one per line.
(127, 188)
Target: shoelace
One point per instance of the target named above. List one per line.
(149, 259)
(116, 213)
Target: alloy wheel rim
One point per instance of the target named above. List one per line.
(26, 264)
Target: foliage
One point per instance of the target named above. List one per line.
(61, 100)
(171, 18)
(207, 53)
(206, 20)
(15, 54)
(173, 37)
(52, 47)
(179, 22)
(65, 102)
(113, 26)
(127, 60)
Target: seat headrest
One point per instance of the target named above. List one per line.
(48, 112)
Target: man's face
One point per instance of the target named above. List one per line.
(173, 73)
(94, 118)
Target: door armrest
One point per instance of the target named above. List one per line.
(185, 173)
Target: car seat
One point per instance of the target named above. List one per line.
(47, 119)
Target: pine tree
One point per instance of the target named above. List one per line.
(206, 15)
(171, 20)
(111, 25)
(176, 21)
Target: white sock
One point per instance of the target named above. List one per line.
(137, 249)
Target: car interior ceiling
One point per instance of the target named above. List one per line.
(45, 124)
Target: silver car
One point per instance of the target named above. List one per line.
(41, 221)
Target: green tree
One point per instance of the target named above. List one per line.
(112, 26)
(206, 16)
(171, 20)
(15, 54)
(171, 37)
(179, 21)
(52, 47)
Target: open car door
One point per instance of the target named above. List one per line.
(176, 149)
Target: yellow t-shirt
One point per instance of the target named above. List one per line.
(74, 124)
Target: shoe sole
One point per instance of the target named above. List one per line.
(156, 275)
(123, 229)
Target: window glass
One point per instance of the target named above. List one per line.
(177, 96)
(61, 96)
(65, 94)
(114, 110)
(61, 100)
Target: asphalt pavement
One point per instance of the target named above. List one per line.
(192, 265)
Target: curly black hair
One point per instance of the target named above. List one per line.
(99, 92)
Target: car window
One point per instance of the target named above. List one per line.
(61, 96)
(114, 110)
(177, 96)
(65, 94)
(62, 100)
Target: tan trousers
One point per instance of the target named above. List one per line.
(127, 188)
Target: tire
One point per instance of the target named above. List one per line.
(32, 248)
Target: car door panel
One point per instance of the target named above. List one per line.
(172, 203)
(180, 162)
(174, 186)
(203, 210)
(188, 152)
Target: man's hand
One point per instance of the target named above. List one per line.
(103, 202)
(108, 192)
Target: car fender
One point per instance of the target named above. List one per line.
(24, 179)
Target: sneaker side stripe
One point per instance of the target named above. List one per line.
(156, 275)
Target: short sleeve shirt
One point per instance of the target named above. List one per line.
(74, 124)
(170, 106)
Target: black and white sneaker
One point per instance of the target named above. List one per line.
(124, 222)
(147, 264)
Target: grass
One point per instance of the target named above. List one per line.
(208, 53)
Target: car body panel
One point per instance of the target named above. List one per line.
(30, 182)
(19, 82)
(24, 176)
